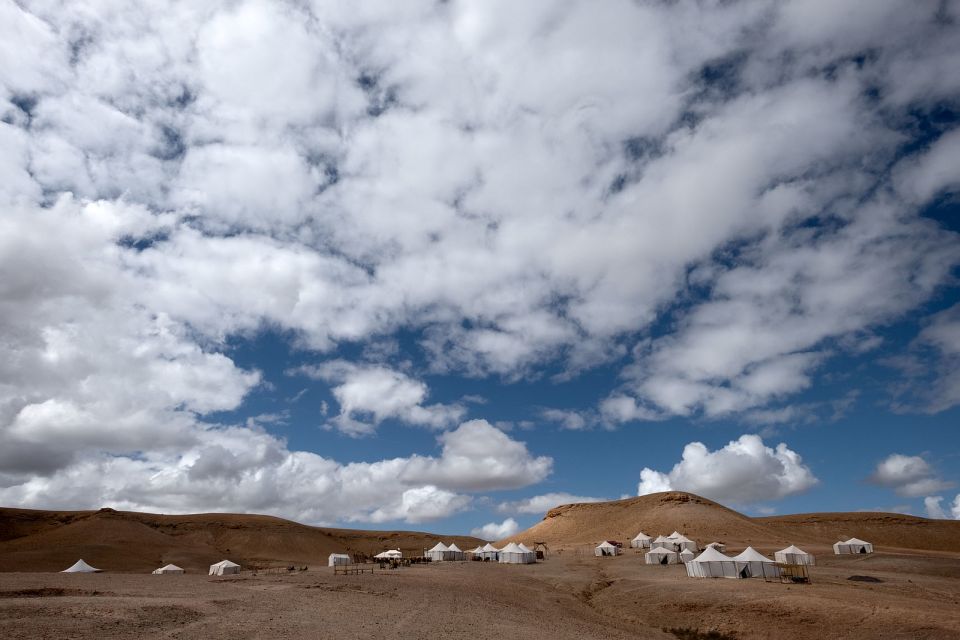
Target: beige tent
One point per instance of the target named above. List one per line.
(753, 564)
(712, 564)
(853, 545)
(170, 568)
(605, 549)
(514, 554)
(224, 568)
(81, 567)
(338, 558)
(661, 555)
(641, 541)
(794, 555)
(436, 553)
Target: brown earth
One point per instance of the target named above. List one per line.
(32, 540)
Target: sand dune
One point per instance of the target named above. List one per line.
(33, 540)
(707, 521)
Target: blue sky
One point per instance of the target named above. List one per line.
(446, 265)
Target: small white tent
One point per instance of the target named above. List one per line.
(641, 541)
(490, 552)
(605, 549)
(338, 558)
(389, 554)
(514, 554)
(453, 552)
(794, 555)
(81, 567)
(436, 553)
(853, 545)
(662, 542)
(712, 564)
(682, 542)
(686, 556)
(170, 568)
(661, 555)
(224, 568)
(753, 564)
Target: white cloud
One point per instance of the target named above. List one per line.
(495, 530)
(542, 503)
(743, 472)
(379, 393)
(569, 419)
(934, 508)
(930, 380)
(909, 476)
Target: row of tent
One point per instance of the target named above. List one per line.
(222, 568)
(512, 553)
(676, 541)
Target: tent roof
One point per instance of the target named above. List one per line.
(711, 544)
(170, 567)
(751, 555)
(662, 539)
(80, 567)
(525, 548)
(856, 541)
(660, 551)
(479, 549)
(675, 534)
(225, 563)
(710, 554)
(606, 545)
(793, 549)
(440, 547)
(512, 548)
(490, 547)
(686, 553)
(641, 536)
(339, 555)
(454, 547)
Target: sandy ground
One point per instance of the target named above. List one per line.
(569, 595)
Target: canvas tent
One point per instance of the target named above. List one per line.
(794, 555)
(436, 553)
(389, 554)
(605, 549)
(662, 542)
(682, 542)
(170, 568)
(641, 541)
(81, 567)
(712, 564)
(514, 554)
(661, 555)
(490, 552)
(338, 558)
(453, 552)
(686, 556)
(224, 568)
(753, 564)
(853, 545)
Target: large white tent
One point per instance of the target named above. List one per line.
(453, 552)
(605, 549)
(81, 567)
(436, 553)
(753, 564)
(712, 564)
(514, 554)
(489, 552)
(338, 558)
(794, 555)
(389, 554)
(661, 555)
(224, 568)
(641, 541)
(170, 568)
(853, 545)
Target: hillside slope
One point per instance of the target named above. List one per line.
(33, 540)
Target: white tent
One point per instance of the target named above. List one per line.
(853, 545)
(170, 568)
(224, 568)
(81, 567)
(436, 553)
(476, 553)
(662, 542)
(686, 556)
(489, 552)
(661, 555)
(453, 552)
(682, 542)
(514, 554)
(338, 558)
(794, 555)
(712, 564)
(389, 554)
(605, 549)
(719, 546)
(753, 564)
(641, 541)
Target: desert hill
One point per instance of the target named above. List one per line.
(707, 521)
(32, 540)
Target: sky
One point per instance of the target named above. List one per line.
(446, 265)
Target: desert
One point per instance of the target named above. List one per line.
(908, 588)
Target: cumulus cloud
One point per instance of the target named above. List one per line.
(935, 509)
(542, 503)
(745, 471)
(378, 393)
(569, 419)
(496, 530)
(909, 476)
